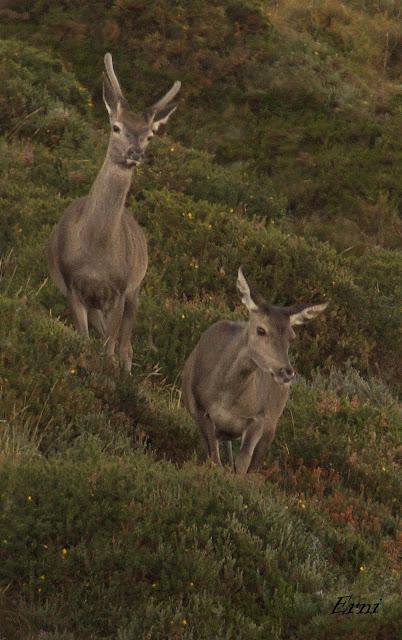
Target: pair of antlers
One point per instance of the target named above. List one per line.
(115, 86)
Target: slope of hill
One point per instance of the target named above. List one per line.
(111, 526)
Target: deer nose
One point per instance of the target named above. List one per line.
(134, 154)
(286, 374)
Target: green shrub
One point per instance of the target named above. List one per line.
(88, 543)
(39, 98)
(107, 467)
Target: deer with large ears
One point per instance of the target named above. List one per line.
(235, 383)
(97, 253)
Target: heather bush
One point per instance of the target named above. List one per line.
(285, 158)
(39, 97)
(308, 96)
(82, 537)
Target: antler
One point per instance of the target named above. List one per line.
(167, 98)
(112, 76)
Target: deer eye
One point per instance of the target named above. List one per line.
(116, 128)
(261, 331)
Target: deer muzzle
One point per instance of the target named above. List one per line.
(285, 374)
(133, 156)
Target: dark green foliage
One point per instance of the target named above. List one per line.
(307, 94)
(39, 98)
(301, 104)
(81, 537)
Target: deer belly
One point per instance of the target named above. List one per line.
(97, 293)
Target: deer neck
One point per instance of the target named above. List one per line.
(242, 369)
(105, 202)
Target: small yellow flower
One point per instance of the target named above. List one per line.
(190, 215)
(184, 622)
(64, 552)
(29, 498)
(191, 584)
(383, 468)
(43, 577)
(362, 568)
(210, 226)
(45, 546)
(172, 148)
(183, 316)
(39, 589)
(154, 585)
(72, 371)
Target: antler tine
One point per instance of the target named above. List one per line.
(168, 97)
(112, 76)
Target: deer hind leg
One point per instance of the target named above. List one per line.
(126, 329)
(227, 445)
(78, 311)
(113, 322)
(251, 437)
(54, 270)
(261, 449)
(97, 321)
(207, 429)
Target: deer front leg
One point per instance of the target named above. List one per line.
(251, 437)
(78, 311)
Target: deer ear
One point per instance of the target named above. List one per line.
(307, 313)
(162, 116)
(245, 292)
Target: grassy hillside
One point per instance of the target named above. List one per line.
(284, 156)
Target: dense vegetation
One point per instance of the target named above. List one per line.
(284, 156)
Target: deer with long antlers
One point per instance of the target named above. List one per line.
(97, 253)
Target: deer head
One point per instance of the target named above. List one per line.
(270, 330)
(130, 131)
